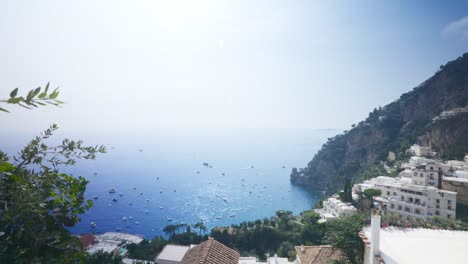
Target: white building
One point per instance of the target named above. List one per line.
(466, 162)
(401, 197)
(113, 242)
(334, 207)
(419, 151)
(393, 245)
(414, 161)
(428, 175)
(172, 254)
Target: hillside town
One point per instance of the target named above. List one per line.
(425, 187)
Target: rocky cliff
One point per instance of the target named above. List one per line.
(434, 113)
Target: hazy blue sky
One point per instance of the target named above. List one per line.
(163, 65)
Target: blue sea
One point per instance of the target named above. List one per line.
(160, 179)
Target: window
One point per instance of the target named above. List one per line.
(437, 201)
(417, 211)
(402, 198)
(449, 216)
(449, 202)
(394, 193)
(450, 207)
(407, 209)
(417, 201)
(399, 207)
(388, 193)
(410, 199)
(392, 206)
(432, 168)
(437, 206)
(437, 213)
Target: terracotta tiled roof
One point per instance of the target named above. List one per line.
(319, 254)
(211, 252)
(87, 240)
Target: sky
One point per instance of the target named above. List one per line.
(184, 65)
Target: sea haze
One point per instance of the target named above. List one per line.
(255, 183)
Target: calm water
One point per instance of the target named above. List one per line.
(255, 183)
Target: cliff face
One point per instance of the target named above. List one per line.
(413, 118)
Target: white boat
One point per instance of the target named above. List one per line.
(130, 203)
(95, 197)
(111, 190)
(114, 200)
(124, 218)
(92, 224)
(225, 199)
(110, 205)
(232, 215)
(137, 223)
(146, 212)
(160, 207)
(118, 229)
(130, 217)
(120, 194)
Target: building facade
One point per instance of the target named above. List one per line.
(401, 197)
(333, 207)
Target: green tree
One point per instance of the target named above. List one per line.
(343, 233)
(371, 193)
(37, 201)
(347, 192)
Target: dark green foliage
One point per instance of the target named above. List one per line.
(343, 233)
(371, 193)
(38, 201)
(147, 250)
(347, 196)
(103, 258)
(371, 171)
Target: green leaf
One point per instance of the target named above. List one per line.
(4, 110)
(47, 87)
(14, 93)
(30, 95)
(14, 100)
(5, 166)
(36, 92)
(42, 95)
(54, 94)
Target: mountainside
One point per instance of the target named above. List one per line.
(435, 113)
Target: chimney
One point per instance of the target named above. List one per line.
(375, 236)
